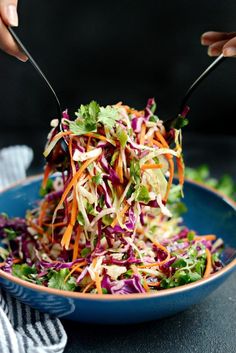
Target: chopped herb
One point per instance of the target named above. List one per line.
(57, 280)
(47, 189)
(122, 136)
(108, 116)
(97, 179)
(80, 219)
(11, 233)
(190, 235)
(179, 263)
(135, 171)
(23, 271)
(85, 252)
(142, 194)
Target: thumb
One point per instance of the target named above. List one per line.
(229, 48)
(8, 12)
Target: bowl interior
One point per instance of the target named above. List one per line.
(208, 212)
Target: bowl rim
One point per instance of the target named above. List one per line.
(101, 297)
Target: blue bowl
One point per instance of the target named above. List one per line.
(208, 212)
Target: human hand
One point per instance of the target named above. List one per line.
(9, 17)
(220, 42)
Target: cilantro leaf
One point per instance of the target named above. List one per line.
(107, 220)
(86, 119)
(142, 194)
(80, 219)
(57, 280)
(180, 122)
(194, 276)
(88, 116)
(85, 252)
(93, 110)
(47, 189)
(108, 116)
(135, 171)
(130, 191)
(122, 136)
(11, 233)
(23, 271)
(97, 179)
(190, 235)
(179, 263)
(4, 253)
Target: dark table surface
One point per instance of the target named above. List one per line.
(208, 327)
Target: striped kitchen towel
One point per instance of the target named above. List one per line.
(14, 162)
(23, 329)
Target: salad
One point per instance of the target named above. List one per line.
(110, 221)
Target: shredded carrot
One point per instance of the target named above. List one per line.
(121, 213)
(76, 244)
(180, 166)
(119, 190)
(119, 169)
(55, 225)
(65, 241)
(205, 237)
(161, 139)
(71, 157)
(42, 213)
(150, 141)
(97, 136)
(61, 134)
(145, 285)
(159, 263)
(142, 134)
(151, 166)
(97, 277)
(140, 231)
(36, 227)
(88, 144)
(47, 171)
(157, 143)
(208, 264)
(134, 111)
(88, 286)
(171, 177)
(98, 283)
(75, 268)
(75, 178)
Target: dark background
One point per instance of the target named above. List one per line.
(117, 50)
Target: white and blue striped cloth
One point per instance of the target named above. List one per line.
(23, 329)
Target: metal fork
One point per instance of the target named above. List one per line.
(62, 144)
(170, 122)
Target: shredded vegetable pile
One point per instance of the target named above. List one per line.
(110, 222)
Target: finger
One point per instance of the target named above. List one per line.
(209, 38)
(8, 12)
(216, 48)
(8, 44)
(229, 48)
